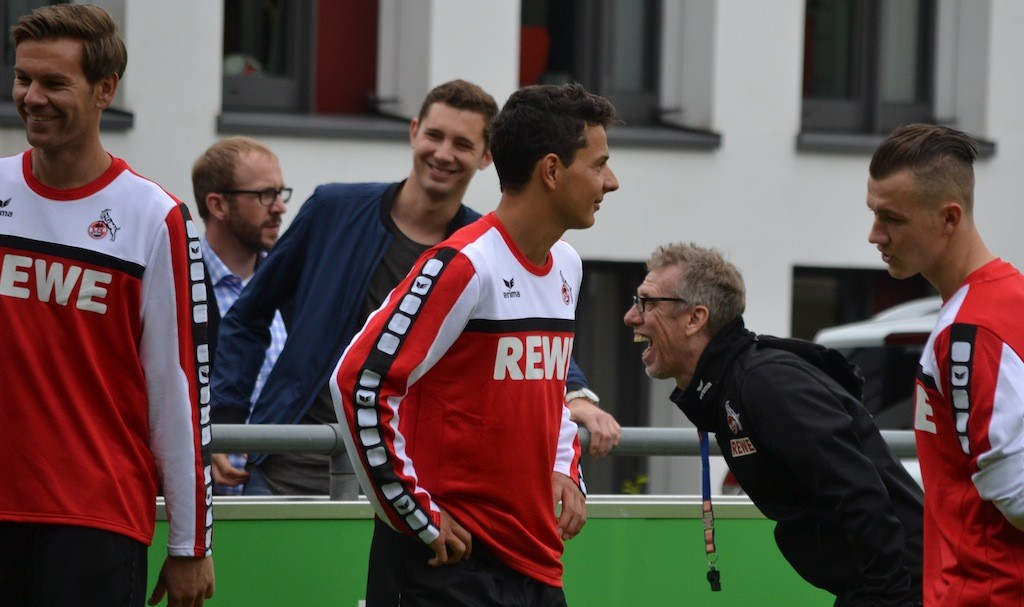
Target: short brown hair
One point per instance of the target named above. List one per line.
(706, 279)
(544, 119)
(214, 171)
(941, 160)
(463, 95)
(105, 53)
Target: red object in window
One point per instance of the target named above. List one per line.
(346, 56)
(534, 43)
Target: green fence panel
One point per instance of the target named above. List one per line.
(299, 555)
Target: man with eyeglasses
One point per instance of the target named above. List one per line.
(806, 451)
(240, 194)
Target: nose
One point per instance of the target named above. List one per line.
(633, 317)
(611, 182)
(876, 235)
(32, 94)
(279, 207)
(444, 151)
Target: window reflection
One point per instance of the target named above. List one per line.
(255, 38)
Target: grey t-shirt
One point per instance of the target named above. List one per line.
(309, 474)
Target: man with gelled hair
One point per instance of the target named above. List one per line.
(969, 414)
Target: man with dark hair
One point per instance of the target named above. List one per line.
(798, 441)
(453, 391)
(102, 312)
(240, 193)
(969, 415)
(349, 245)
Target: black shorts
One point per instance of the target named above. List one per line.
(400, 576)
(61, 565)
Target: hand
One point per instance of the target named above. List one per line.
(454, 544)
(224, 473)
(605, 432)
(574, 506)
(187, 581)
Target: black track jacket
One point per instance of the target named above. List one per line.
(849, 516)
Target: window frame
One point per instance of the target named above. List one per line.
(867, 114)
(596, 41)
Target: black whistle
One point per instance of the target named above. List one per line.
(714, 578)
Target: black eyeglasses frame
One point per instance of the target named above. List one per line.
(641, 302)
(261, 195)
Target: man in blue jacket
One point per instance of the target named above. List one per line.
(349, 245)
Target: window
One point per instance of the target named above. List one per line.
(350, 67)
(300, 56)
(868, 64)
(610, 46)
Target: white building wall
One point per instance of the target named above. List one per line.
(768, 205)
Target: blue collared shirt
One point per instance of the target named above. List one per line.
(227, 287)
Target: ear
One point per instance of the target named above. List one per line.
(106, 88)
(485, 160)
(698, 320)
(951, 213)
(550, 170)
(218, 206)
(414, 124)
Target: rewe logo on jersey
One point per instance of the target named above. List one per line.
(532, 357)
(22, 277)
(741, 447)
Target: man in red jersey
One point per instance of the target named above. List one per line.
(969, 416)
(102, 313)
(453, 392)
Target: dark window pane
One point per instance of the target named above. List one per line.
(832, 50)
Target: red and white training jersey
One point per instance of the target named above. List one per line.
(105, 371)
(969, 423)
(453, 393)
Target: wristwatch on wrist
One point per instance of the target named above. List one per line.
(586, 393)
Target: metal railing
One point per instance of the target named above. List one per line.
(326, 439)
